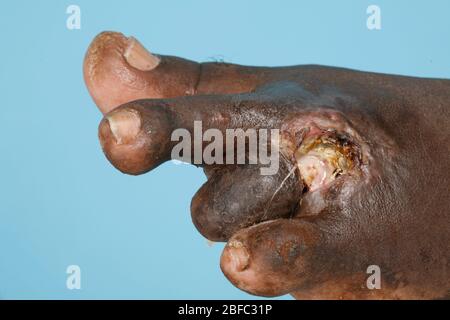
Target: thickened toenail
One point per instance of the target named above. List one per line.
(238, 255)
(125, 124)
(139, 57)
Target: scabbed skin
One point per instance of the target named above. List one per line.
(392, 212)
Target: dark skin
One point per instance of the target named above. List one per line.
(390, 209)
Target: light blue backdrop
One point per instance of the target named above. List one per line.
(62, 203)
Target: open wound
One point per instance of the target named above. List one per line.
(323, 157)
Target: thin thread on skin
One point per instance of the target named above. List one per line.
(198, 80)
(277, 190)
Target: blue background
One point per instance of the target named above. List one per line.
(62, 203)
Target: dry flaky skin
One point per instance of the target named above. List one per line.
(390, 210)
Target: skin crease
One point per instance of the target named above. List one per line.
(391, 211)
